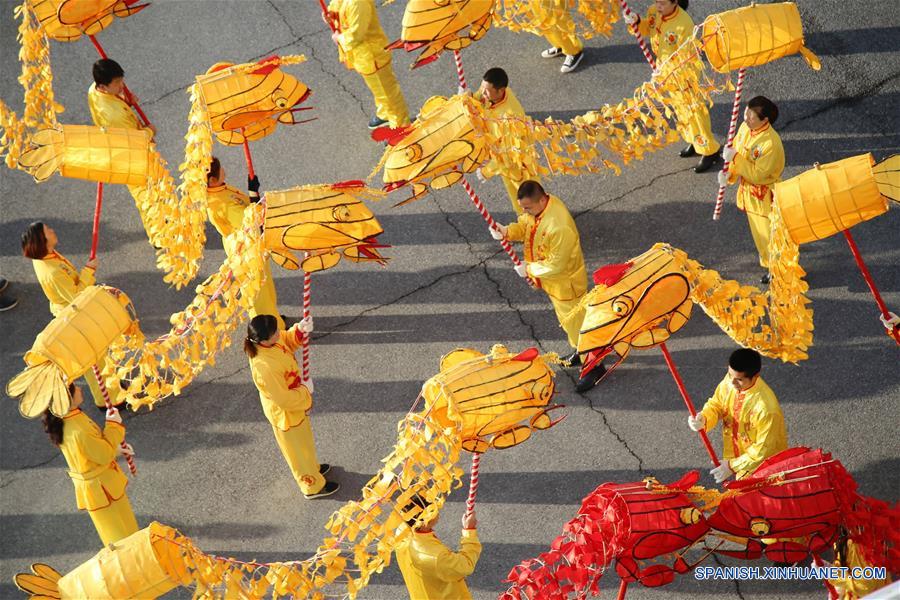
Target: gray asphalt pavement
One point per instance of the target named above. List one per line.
(208, 462)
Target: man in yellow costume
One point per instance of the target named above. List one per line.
(500, 101)
(757, 159)
(432, 571)
(753, 427)
(553, 263)
(561, 35)
(225, 206)
(361, 47)
(668, 26)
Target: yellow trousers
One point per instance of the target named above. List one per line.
(699, 132)
(569, 42)
(299, 450)
(512, 188)
(91, 382)
(759, 229)
(266, 301)
(114, 522)
(570, 315)
(389, 102)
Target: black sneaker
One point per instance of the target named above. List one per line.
(3, 283)
(376, 122)
(573, 359)
(765, 279)
(707, 162)
(7, 303)
(688, 152)
(328, 489)
(324, 468)
(552, 53)
(571, 62)
(587, 383)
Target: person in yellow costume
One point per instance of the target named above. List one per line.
(757, 160)
(500, 101)
(286, 399)
(225, 206)
(110, 106)
(61, 282)
(91, 457)
(361, 46)
(563, 40)
(753, 427)
(668, 26)
(847, 554)
(432, 571)
(553, 263)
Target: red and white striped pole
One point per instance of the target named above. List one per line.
(307, 301)
(460, 74)
(102, 385)
(732, 128)
(473, 483)
(490, 220)
(640, 39)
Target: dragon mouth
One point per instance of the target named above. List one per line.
(594, 358)
(394, 185)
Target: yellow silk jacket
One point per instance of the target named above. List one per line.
(91, 457)
(108, 110)
(285, 400)
(225, 207)
(434, 572)
(666, 33)
(759, 163)
(362, 41)
(552, 250)
(509, 106)
(60, 280)
(753, 427)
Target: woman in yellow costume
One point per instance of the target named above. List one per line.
(757, 158)
(225, 206)
(91, 457)
(286, 399)
(562, 37)
(668, 26)
(61, 282)
(362, 47)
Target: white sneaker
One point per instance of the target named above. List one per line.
(552, 53)
(571, 62)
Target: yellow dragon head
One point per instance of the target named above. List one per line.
(438, 25)
(501, 397)
(324, 221)
(68, 20)
(436, 150)
(637, 304)
(249, 100)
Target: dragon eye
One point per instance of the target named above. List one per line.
(341, 213)
(414, 152)
(281, 102)
(622, 305)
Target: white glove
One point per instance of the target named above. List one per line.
(891, 322)
(723, 178)
(728, 153)
(112, 414)
(126, 450)
(305, 325)
(480, 176)
(496, 233)
(308, 384)
(521, 270)
(461, 90)
(697, 423)
(722, 472)
(630, 17)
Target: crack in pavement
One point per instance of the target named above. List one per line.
(32, 466)
(737, 582)
(340, 83)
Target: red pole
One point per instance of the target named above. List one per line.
(325, 14)
(623, 586)
(247, 156)
(128, 93)
(95, 234)
(854, 249)
(687, 401)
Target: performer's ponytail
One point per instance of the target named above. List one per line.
(260, 328)
(53, 425)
